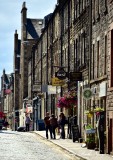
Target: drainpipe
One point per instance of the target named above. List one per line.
(61, 59)
(52, 96)
(90, 41)
(47, 74)
(68, 43)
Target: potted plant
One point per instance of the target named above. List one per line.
(90, 141)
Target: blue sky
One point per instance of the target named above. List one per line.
(10, 20)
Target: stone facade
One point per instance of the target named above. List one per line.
(101, 64)
(30, 32)
(76, 36)
(7, 101)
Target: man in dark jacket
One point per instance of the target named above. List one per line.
(47, 125)
(54, 125)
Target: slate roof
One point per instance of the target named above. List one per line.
(33, 28)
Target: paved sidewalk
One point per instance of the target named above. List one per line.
(76, 149)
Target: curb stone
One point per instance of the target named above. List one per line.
(68, 151)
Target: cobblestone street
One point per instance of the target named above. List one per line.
(27, 146)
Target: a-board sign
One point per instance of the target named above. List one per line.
(75, 133)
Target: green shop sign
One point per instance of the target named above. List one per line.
(87, 93)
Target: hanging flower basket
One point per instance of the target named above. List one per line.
(68, 100)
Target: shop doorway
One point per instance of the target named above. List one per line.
(110, 131)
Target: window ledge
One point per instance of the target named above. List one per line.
(110, 89)
(97, 80)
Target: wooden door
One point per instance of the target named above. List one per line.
(110, 136)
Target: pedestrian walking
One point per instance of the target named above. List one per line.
(62, 122)
(27, 122)
(47, 125)
(54, 125)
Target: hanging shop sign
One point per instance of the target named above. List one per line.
(36, 88)
(57, 82)
(51, 89)
(29, 108)
(75, 76)
(87, 93)
(61, 74)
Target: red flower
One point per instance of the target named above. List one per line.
(69, 100)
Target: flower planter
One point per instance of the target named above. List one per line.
(91, 145)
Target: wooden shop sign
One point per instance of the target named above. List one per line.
(75, 76)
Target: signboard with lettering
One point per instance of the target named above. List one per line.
(57, 82)
(61, 74)
(51, 89)
(87, 93)
(75, 76)
(90, 131)
(36, 88)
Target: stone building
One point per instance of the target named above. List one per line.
(7, 97)
(16, 75)
(76, 36)
(102, 43)
(30, 33)
(63, 43)
(101, 69)
(80, 45)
